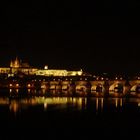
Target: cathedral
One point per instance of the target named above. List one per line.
(15, 63)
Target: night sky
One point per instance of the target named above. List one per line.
(97, 36)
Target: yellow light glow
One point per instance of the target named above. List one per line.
(79, 72)
(121, 102)
(45, 105)
(102, 103)
(97, 104)
(116, 102)
(17, 90)
(10, 90)
(29, 90)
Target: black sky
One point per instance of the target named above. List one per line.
(96, 36)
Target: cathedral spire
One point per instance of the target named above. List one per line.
(15, 63)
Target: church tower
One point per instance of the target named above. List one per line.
(15, 63)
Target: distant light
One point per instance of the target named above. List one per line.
(46, 67)
(29, 90)
(29, 85)
(10, 85)
(45, 105)
(17, 85)
(10, 90)
(17, 90)
(97, 78)
(80, 72)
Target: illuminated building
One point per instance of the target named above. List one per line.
(15, 64)
(17, 67)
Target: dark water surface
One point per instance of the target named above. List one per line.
(71, 116)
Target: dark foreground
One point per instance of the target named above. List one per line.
(74, 118)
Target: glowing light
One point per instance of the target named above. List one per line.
(116, 102)
(17, 90)
(10, 85)
(29, 85)
(46, 67)
(79, 72)
(121, 102)
(14, 107)
(29, 90)
(17, 85)
(45, 105)
(10, 90)
(97, 104)
(79, 102)
(102, 103)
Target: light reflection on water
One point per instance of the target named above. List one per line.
(62, 103)
(67, 93)
(16, 105)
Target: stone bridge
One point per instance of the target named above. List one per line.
(94, 86)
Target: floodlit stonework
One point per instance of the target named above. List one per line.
(17, 66)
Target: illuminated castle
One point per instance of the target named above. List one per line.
(17, 67)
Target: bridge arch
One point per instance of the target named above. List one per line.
(81, 88)
(117, 87)
(135, 88)
(99, 87)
